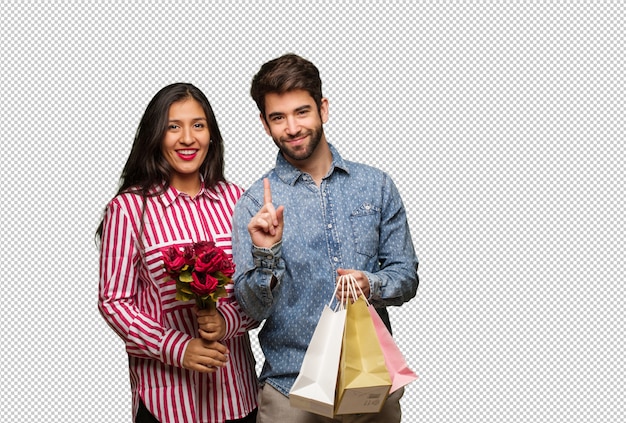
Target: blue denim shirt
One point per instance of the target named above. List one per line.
(354, 220)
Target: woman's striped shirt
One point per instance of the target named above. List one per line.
(138, 301)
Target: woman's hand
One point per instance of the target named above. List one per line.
(205, 356)
(211, 324)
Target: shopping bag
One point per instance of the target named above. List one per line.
(398, 369)
(314, 388)
(364, 382)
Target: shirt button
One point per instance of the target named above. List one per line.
(335, 259)
(330, 225)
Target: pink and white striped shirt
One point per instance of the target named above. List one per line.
(138, 302)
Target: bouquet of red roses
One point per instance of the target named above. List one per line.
(201, 272)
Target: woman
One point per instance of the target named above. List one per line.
(186, 365)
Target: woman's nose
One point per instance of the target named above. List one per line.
(186, 136)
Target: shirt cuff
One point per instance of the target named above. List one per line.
(232, 319)
(174, 346)
(375, 286)
(267, 258)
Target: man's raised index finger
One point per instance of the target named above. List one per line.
(267, 192)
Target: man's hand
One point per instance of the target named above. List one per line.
(344, 291)
(266, 227)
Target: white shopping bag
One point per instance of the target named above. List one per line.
(314, 388)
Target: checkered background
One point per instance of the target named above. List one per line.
(502, 124)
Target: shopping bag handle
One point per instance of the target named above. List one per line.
(353, 286)
(340, 303)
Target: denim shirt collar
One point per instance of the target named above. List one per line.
(290, 174)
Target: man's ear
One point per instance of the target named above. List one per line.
(324, 110)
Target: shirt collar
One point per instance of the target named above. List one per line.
(171, 194)
(289, 174)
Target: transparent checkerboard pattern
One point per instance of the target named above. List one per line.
(501, 124)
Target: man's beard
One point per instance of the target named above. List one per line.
(315, 136)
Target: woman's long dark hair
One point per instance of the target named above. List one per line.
(146, 171)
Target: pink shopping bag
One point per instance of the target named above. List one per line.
(399, 371)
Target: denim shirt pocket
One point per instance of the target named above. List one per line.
(365, 222)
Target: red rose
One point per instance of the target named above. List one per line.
(203, 284)
(173, 259)
(204, 247)
(188, 255)
(211, 261)
(227, 267)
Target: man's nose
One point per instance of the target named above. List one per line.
(292, 126)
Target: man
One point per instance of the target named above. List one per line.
(335, 217)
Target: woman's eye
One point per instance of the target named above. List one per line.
(199, 125)
(172, 127)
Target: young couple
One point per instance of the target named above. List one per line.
(311, 218)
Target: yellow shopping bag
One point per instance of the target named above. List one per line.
(364, 382)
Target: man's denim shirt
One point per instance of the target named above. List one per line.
(354, 220)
